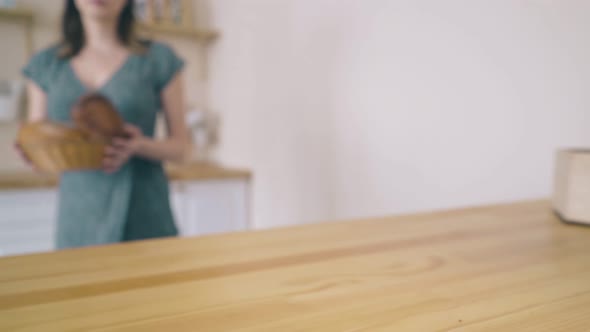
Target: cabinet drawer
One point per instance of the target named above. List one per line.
(27, 221)
(216, 206)
(13, 249)
(23, 222)
(27, 205)
(22, 242)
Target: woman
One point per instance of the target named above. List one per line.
(128, 199)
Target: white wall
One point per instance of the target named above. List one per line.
(347, 108)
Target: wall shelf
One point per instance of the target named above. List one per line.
(202, 36)
(16, 14)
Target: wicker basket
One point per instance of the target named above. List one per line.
(55, 148)
(63, 156)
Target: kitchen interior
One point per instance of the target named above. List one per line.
(201, 188)
(340, 148)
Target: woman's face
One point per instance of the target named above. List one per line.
(100, 9)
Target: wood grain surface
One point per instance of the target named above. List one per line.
(500, 268)
(22, 180)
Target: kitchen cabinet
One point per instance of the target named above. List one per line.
(27, 217)
(209, 207)
(27, 221)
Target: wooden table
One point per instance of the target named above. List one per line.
(502, 268)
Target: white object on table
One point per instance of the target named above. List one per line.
(571, 197)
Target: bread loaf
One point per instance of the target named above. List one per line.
(96, 115)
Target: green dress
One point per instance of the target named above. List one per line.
(96, 208)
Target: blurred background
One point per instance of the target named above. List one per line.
(342, 109)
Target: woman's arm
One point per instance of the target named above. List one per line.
(176, 147)
(37, 103)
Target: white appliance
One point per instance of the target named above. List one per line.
(204, 129)
(11, 96)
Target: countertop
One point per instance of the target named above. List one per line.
(511, 267)
(19, 180)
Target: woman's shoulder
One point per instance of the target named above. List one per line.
(43, 66)
(163, 61)
(160, 54)
(48, 55)
(158, 49)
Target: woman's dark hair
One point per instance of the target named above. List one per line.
(73, 29)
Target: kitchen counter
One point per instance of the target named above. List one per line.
(19, 180)
(511, 267)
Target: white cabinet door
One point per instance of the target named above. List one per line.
(27, 221)
(215, 206)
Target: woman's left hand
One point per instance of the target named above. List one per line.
(122, 149)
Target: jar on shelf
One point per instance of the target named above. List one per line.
(144, 11)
